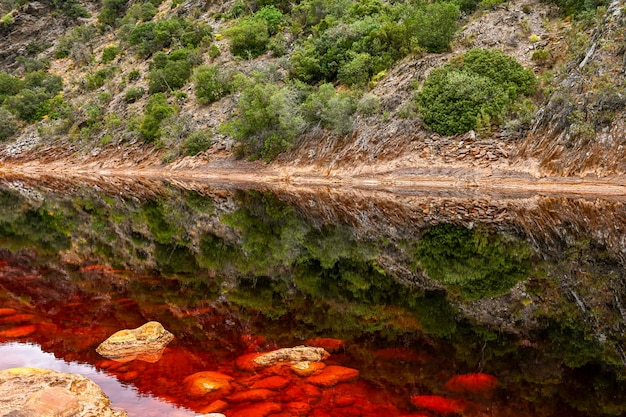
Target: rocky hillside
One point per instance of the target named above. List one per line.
(525, 85)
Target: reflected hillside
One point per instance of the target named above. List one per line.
(421, 286)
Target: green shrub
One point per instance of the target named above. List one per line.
(111, 11)
(171, 72)
(197, 142)
(133, 94)
(150, 37)
(478, 264)
(157, 109)
(134, 75)
(331, 109)
(109, 53)
(8, 124)
(211, 84)
(249, 38)
(368, 104)
(9, 85)
(434, 24)
(78, 44)
(273, 17)
(472, 91)
(33, 64)
(268, 119)
(32, 101)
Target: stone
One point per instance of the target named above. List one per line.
(333, 375)
(19, 331)
(143, 343)
(438, 404)
(263, 409)
(252, 395)
(294, 354)
(329, 344)
(215, 407)
(207, 382)
(307, 368)
(476, 383)
(36, 392)
(274, 383)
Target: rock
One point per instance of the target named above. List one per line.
(144, 343)
(252, 395)
(274, 383)
(263, 409)
(294, 354)
(307, 368)
(45, 393)
(332, 375)
(439, 404)
(19, 331)
(215, 407)
(476, 383)
(207, 382)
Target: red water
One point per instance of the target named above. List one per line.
(69, 319)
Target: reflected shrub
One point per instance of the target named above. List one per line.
(474, 262)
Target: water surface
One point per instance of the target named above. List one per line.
(409, 289)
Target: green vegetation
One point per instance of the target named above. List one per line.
(476, 263)
(150, 37)
(109, 53)
(212, 83)
(473, 90)
(169, 72)
(250, 37)
(196, 143)
(157, 109)
(30, 98)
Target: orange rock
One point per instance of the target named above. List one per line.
(128, 376)
(203, 383)
(344, 401)
(438, 404)
(319, 413)
(19, 331)
(274, 383)
(472, 383)
(216, 406)
(262, 409)
(329, 344)
(297, 408)
(252, 395)
(332, 375)
(7, 311)
(307, 368)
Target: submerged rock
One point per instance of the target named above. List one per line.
(144, 343)
(294, 354)
(476, 383)
(46, 393)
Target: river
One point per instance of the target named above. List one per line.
(445, 302)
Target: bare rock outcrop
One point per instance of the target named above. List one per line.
(294, 354)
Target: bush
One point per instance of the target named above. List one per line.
(268, 119)
(197, 142)
(97, 79)
(331, 109)
(150, 37)
(171, 72)
(133, 94)
(434, 25)
(109, 53)
(249, 38)
(473, 90)
(157, 109)
(32, 101)
(211, 84)
(111, 11)
(9, 85)
(8, 124)
(478, 264)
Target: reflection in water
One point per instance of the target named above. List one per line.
(414, 289)
(16, 355)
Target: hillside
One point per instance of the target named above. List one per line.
(315, 88)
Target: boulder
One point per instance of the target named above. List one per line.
(207, 382)
(294, 354)
(45, 393)
(144, 343)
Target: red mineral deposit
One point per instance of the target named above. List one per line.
(7, 311)
(216, 406)
(203, 383)
(19, 331)
(274, 383)
(403, 355)
(329, 344)
(262, 409)
(252, 342)
(252, 395)
(246, 362)
(297, 408)
(438, 404)
(17, 318)
(332, 375)
(305, 393)
(472, 383)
